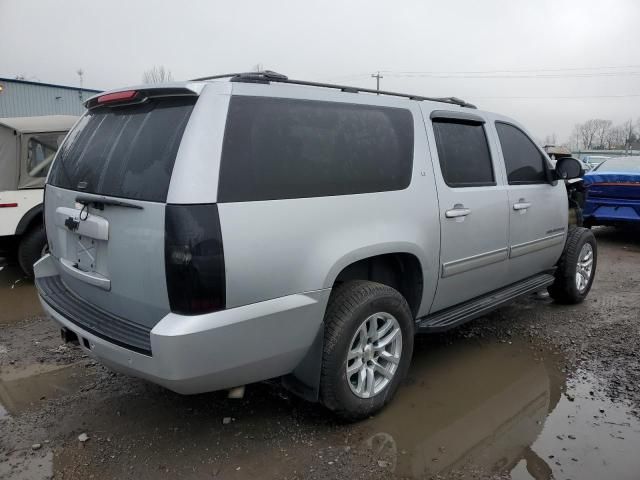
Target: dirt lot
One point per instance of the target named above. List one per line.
(534, 390)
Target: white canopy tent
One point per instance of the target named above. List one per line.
(27, 147)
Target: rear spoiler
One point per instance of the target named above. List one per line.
(141, 94)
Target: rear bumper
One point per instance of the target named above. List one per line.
(202, 353)
(603, 210)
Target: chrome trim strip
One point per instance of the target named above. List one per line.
(535, 245)
(476, 261)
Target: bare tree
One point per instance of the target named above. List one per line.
(616, 138)
(586, 133)
(602, 129)
(629, 133)
(551, 139)
(157, 74)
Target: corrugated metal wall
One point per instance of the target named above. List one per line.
(23, 99)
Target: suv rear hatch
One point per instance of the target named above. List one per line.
(105, 213)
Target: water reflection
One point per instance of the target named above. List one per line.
(468, 404)
(26, 387)
(18, 297)
(499, 409)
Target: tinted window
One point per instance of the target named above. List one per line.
(278, 148)
(124, 151)
(524, 162)
(464, 155)
(620, 165)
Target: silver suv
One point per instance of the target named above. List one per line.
(209, 234)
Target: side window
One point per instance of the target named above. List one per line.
(278, 148)
(464, 155)
(40, 152)
(524, 162)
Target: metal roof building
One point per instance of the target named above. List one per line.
(22, 98)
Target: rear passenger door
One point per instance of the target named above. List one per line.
(473, 209)
(538, 207)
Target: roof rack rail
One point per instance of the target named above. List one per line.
(268, 76)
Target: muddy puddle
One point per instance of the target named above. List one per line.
(18, 297)
(503, 409)
(469, 406)
(23, 389)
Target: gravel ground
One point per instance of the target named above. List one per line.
(534, 390)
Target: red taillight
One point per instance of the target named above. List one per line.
(117, 96)
(8, 205)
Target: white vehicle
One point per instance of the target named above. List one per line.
(27, 147)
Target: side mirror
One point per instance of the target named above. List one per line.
(568, 168)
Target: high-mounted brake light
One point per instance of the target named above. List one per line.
(117, 96)
(8, 205)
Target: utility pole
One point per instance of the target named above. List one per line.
(80, 73)
(377, 76)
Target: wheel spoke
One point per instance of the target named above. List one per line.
(370, 382)
(382, 370)
(388, 325)
(383, 343)
(372, 331)
(356, 353)
(389, 357)
(362, 378)
(354, 368)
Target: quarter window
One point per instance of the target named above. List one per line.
(278, 148)
(525, 163)
(463, 152)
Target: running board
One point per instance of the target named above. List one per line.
(454, 316)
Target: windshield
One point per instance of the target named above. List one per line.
(126, 151)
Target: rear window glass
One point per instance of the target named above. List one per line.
(126, 151)
(277, 148)
(620, 165)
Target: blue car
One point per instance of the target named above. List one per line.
(613, 193)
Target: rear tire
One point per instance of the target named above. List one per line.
(576, 267)
(32, 245)
(357, 316)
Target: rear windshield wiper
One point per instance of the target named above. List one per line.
(100, 202)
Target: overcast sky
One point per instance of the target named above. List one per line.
(588, 50)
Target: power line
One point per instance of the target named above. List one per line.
(557, 97)
(512, 75)
(509, 70)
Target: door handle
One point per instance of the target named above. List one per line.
(457, 211)
(521, 205)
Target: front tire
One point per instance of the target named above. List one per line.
(368, 346)
(32, 245)
(576, 268)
